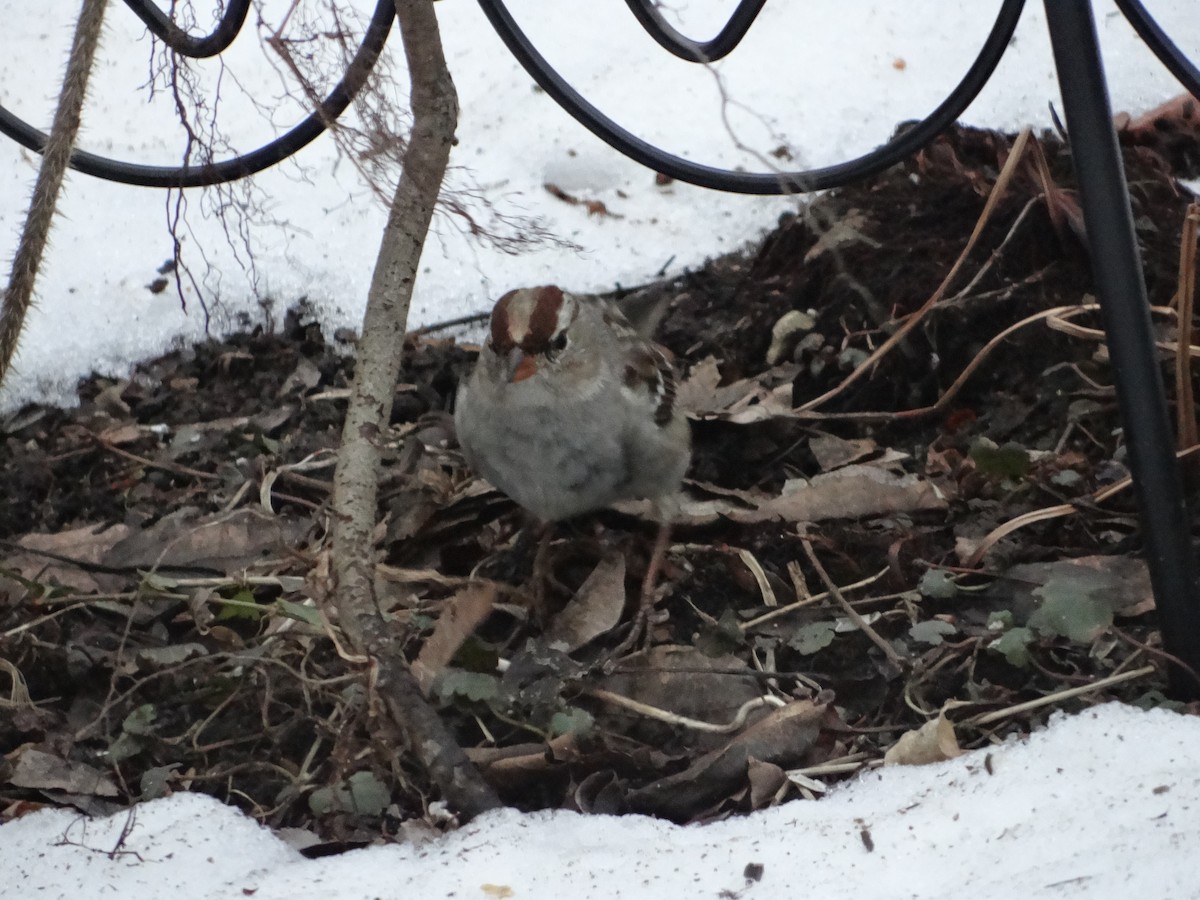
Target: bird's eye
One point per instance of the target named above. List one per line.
(557, 345)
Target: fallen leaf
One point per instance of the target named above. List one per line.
(38, 770)
(224, 542)
(458, 621)
(88, 544)
(362, 793)
(932, 631)
(832, 452)
(684, 681)
(1072, 608)
(1121, 582)
(935, 741)
(782, 738)
(786, 334)
(854, 492)
(594, 610)
(766, 782)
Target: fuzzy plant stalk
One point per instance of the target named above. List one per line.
(56, 156)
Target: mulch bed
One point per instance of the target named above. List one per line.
(826, 594)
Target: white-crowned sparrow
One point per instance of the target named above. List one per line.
(570, 409)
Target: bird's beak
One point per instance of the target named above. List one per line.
(526, 366)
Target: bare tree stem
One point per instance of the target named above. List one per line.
(18, 296)
(435, 116)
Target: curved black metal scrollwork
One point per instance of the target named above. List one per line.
(164, 28)
(1164, 48)
(697, 51)
(239, 166)
(896, 150)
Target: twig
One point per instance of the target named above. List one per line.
(1158, 652)
(808, 601)
(851, 613)
(173, 468)
(665, 715)
(469, 319)
(989, 207)
(764, 585)
(998, 252)
(1054, 512)
(1070, 693)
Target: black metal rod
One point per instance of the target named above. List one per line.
(1126, 313)
(163, 27)
(245, 164)
(684, 47)
(1161, 44)
(898, 149)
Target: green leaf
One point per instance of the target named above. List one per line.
(421, 622)
(1014, 646)
(1155, 699)
(242, 605)
(812, 637)
(138, 725)
(477, 655)
(306, 614)
(937, 584)
(574, 721)
(1073, 606)
(474, 686)
(725, 637)
(154, 781)
(932, 632)
(1000, 620)
(361, 793)
(1008, 461)
(141, 720)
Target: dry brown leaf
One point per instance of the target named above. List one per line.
(764, 396)
(832, 452)
(125, 433)
(684, 681)
(458, 621)
(695, 393)
(782, 738)
(845, 232)
(767, 781)
(852, 492)
(226, 542)
(38, 770)
(594, 610)
(88, 544)
(514, 767)
(935, 741)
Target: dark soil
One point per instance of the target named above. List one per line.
(156, 633)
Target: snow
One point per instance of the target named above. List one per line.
(1099, 805)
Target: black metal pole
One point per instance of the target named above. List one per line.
(1126, 314)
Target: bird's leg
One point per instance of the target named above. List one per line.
(543, 570)
(639, 630)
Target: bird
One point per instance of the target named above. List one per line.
(571, 408)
